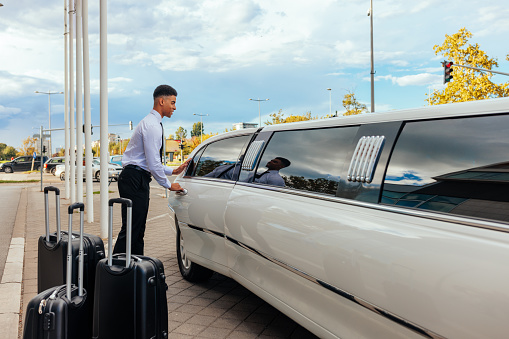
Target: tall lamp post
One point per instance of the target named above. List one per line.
(259, 113)
(330, 101)
(49, 93)
(201, 124)
(370, 14)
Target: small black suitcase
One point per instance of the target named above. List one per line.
(62, 312)
(52, 253)
(130, 299)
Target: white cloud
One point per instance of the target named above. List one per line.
(6, 112)
(422, 79)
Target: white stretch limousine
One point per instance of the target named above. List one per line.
(383, 225)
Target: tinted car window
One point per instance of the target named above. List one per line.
(220, 158)
(312, 159)
(458, 166)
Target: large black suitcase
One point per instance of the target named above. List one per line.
(52, 253)
(130, 299)
(62, 312)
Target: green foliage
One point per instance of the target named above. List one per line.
(180, 133)
(467, 84)
(197, 129)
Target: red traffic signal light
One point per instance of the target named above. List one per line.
(447, 71)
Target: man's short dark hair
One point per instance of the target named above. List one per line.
(285, 161)
(164, 91)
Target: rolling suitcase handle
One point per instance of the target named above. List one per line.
(46, 205)
(129, 206)
(71, 209)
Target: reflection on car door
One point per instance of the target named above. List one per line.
(202, 209)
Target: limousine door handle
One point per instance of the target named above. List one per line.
(181, 192)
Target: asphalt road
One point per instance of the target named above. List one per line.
(9, 200)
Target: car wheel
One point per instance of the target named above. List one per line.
(62, 176)
(98, 175)
(189, 270)
(53, 170)
(38, 168)
(8, 169)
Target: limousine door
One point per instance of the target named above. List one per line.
(200, 212)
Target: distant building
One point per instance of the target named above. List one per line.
(172, 148)
(113, 137)
(243, 125)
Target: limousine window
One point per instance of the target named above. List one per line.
(220, 159)
(458, 166)
(309, 160)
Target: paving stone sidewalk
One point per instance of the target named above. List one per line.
(219, 308)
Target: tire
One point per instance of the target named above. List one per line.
(62, 176)
(53, 170)
(189, 270)
(38, 167)
(98, 175)
(8, 169)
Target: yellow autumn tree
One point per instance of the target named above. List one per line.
(352, 106)
(467, 84)
(279, 118)
(28, 146)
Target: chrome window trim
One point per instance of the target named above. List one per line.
(359, 301)
(438, 216)
(365, 158)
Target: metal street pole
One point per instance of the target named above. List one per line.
(201, 125)
(330, 100)
(370, 13)
(49, 93)
(259, 112)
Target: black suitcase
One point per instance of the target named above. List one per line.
(52, 253)
(62, 312)
(130, 299)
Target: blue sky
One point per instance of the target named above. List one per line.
(220, 53)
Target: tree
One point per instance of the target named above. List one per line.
(278, 118)
(352, 106)
(28, 146)
(467, 84)
(9, 152)
(180, 133)
(197, 129)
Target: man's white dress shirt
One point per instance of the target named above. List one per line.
(143, 148)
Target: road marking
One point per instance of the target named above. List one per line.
(159, 217)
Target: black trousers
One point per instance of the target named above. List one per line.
(133, 184)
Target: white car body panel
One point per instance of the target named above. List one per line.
(351, 269)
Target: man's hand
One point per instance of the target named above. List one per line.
(176, 187)
(181, 168)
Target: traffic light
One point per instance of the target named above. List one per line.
(43, 149)
(447, 71)
(181, 146)
(131, 125)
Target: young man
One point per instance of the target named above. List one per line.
(271, 176)
(141, 161)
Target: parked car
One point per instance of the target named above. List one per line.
(384, 225)
(51, 163)
(116, 159)
(22, 164)
(113, 171)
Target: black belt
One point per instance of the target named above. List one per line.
(136, 167)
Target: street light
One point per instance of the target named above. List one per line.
(330, 101)
(49, 93)
(259, 114)
(201, 126)
(370, 14)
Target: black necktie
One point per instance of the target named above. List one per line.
(258, 176)
(162, 143)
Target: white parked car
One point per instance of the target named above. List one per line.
(384, 225)
(113, 170)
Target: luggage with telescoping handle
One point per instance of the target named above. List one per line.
(130, 299)
(62, 312)
(52, 253)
